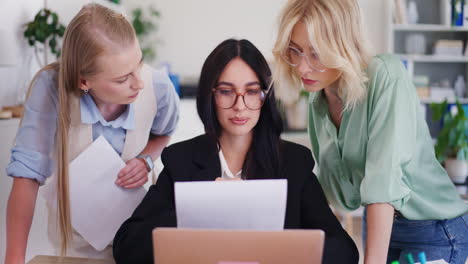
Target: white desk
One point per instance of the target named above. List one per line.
(66, 260)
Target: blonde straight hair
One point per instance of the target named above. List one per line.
(94, 31)
(336, 34)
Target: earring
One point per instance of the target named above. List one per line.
(85, 90)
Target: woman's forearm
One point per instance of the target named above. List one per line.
(135, 173)
(155, 146)
(20, 213)
(379, 229)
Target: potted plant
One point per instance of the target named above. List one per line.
(43, 32)
(144, 23)
(452, 142)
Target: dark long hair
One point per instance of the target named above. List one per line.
(263, 158)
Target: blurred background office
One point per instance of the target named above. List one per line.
(185, 31)
(177, 35)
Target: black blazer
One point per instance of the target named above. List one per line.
(197, 160)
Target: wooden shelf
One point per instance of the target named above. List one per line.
(428, 27)
(434, 58)
(450, 101)
(10, 122)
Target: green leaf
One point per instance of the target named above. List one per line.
(52, 43)
(440, 150)
(40, 35)
(28, 33)
(61, 30)
(38, 15)
(148, 53)
(465, 152)
(54, 19)
(461, 155)
(154, 12)
(452, 140)
(137, 13)
(45, 28)
(139, 27)
(438, 110)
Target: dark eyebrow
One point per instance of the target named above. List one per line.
(294, 44)
(232, 85)
(299, 47)
(252, 83)
(224, 83)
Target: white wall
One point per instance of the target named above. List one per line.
(13, 14)
(376, 22)
(188, 31)
(191, 32)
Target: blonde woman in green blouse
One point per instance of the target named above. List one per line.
(369, 138)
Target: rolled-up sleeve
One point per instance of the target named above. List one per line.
(167, 116)
(31, 156)
(392, 130)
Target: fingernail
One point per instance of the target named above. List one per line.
(118, 181)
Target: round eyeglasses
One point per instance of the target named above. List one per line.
(226, 98)
(293, 57)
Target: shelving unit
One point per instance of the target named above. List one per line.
(437, 67)
(428, 27)
(429, 101)
(434, 58)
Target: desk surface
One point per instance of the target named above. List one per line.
(66, 260)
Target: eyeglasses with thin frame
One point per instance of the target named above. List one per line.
(254, 99)
(293, 57)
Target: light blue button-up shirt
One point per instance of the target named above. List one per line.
(31, 157)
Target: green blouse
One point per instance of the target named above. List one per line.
(383, 152)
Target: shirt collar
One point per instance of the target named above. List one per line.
(225, 172)
(90, 114)
(318, 101)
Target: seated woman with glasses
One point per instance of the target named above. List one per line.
(237, 106)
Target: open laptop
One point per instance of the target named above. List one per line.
(209, 246)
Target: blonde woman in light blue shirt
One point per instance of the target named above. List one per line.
(99, 85)
(370, 141)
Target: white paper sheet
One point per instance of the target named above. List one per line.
(440, 261)
(252, 204)
(98, 205)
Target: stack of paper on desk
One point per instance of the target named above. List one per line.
(98, 205)
(440, 261)
(252, 204)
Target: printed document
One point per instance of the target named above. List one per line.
(98, 205)
(247, 205)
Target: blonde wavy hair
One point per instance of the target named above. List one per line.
(336, 34)
(92, 32)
